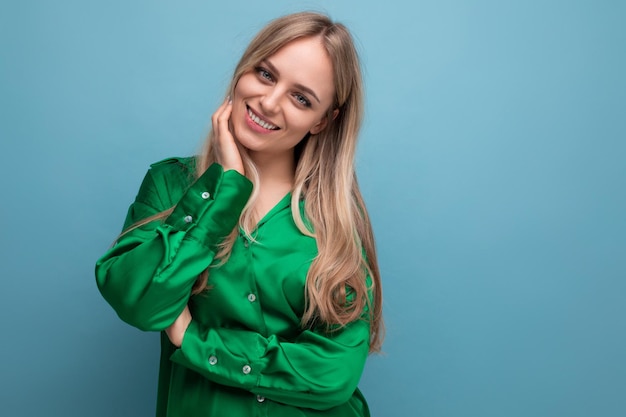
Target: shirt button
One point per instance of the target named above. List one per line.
(260, 398)
(188, 219)
(251, 298)
(212, 360)
(206, 195)
(246, 243)
(246, 369)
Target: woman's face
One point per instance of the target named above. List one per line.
(283, 98)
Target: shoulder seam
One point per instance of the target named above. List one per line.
(187, 162)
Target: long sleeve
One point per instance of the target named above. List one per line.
(316, 370)
(148, 275)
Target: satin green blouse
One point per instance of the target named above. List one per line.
(245, 352)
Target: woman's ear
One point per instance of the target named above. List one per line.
(319, 126)
(323, 123)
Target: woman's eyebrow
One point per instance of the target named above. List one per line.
(297, 85)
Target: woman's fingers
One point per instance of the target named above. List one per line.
(222, 121)
(228, 154)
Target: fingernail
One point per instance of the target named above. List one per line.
(230, 100)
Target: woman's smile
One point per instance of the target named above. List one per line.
(258, 123)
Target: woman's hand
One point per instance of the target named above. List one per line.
(176, 331)
(228, 155)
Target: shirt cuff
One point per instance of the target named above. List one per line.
(211, 207)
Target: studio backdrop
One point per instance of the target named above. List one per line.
(492, 160)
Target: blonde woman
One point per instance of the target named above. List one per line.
(256, 259)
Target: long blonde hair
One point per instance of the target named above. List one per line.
(343, 280)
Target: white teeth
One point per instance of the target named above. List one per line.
(260, 122)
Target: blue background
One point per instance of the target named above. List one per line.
(493, 160)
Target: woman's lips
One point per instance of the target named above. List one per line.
(257, 121)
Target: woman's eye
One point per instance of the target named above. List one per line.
(263, 73)
(302, 100)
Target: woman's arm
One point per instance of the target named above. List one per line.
(317, 370)
(148, 275)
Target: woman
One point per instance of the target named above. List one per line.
(256, 259)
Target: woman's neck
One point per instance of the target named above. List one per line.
(275, 171)
(276, 177)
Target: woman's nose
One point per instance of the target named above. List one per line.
(270, 102)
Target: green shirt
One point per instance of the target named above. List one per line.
(245, 352)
